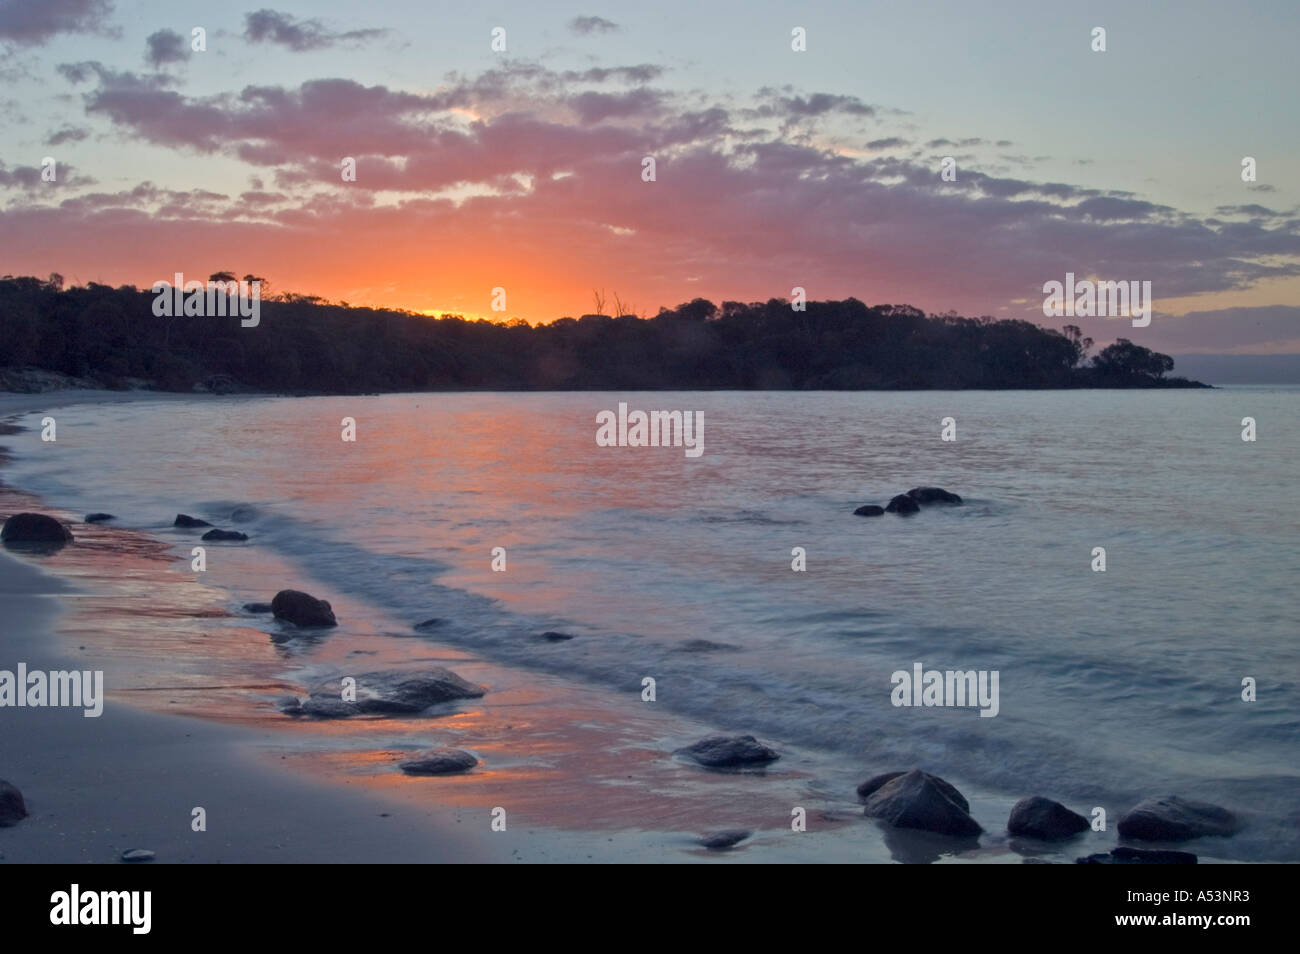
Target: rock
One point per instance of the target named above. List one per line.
(243, 514)
(917, 799)
(929, 495)
(302, 609)
(869, 510)
(439, 762)
(429, 623)
(259, 607)
(1039, 817)
(34, 528)
(1171, 818)
(873, 783)
(903, 504)
(99, 517)
(553, 637)
(12, 807)
(706, 646)
(225, 535)
(720, 751)
(390, 692)
(722, 840)
(1123, 855)
(185, 520)
(137, 854)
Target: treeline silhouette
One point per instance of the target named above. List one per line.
(303, 345)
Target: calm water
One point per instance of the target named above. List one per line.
(1114, 685)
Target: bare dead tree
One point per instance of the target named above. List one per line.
(598, 298)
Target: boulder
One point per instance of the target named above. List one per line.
(99, 517)
(736, 751)
(722, 840)
(185, 520)
(439, 762)
(869, 510)
(387, 693)
(873, 783)
(902, 504)
(302, 609)
(929, 495)
(12, 808)
(34, 528)
(1039, 817)
(225, 535)
(1123, 855)
(1171, 818)
(917, 799)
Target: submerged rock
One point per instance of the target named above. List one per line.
(439, 762)
(929, 495)
(99, 517)
(428, 623)
(917, 799)
(722, 840)
(736, 751)
(706, 646)
(551, 636)
(1039, 817)
(869, 510)
(1171, 818)
(259, 607)
(1123, 855)
(34, 528)
(387, 693)
(185, 520)
(12, 807)
(225, 535)
(137, 854)
(302, 609)
(903, 504)
(872, 784)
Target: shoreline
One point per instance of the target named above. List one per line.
(555, 752)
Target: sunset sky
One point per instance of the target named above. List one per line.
(775, 168)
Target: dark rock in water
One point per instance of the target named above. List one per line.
(99, 517)
(903, 504)
(137, 854)
(873, 783)
(551, 636)
(1039, 817)
(1170, 818)
(34, 528)
(706, 646)
(722, 840)
(736, 751)
(929, 495)
(869, 510)
(439, 762)
(302, 609)
(917, 799)
(259, 607)
(12, 808)
(185, 520)
(390, 692)
(1123, 855)
(429, 623)
(225, 535)
(243, 514)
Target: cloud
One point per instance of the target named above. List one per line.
(165, 46)
(67, 134)
(586, 26)
(33, 22)
(270, 26)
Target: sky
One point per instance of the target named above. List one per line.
(522, 169)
